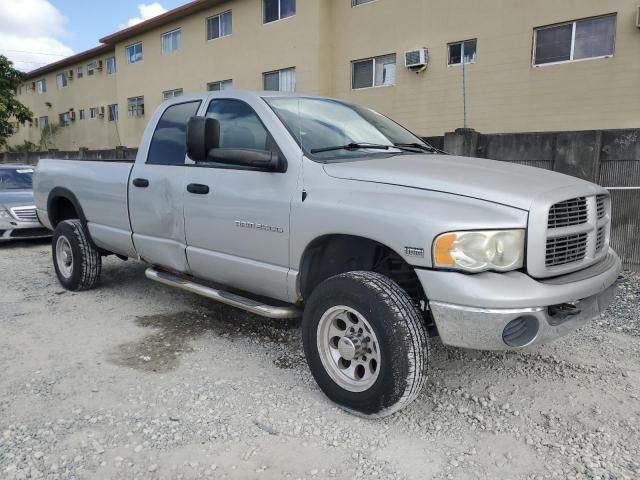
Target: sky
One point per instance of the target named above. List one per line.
(36, 32)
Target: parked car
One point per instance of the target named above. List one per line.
(307, 205)
(18, 218)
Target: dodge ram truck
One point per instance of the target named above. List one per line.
(289, 205)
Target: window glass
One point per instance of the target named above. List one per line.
(134, 53)
(61, 80)
(44, 122)
(79, 72)
(320, 123)
(359, 2)
(81, 113)
(111, 65)
(219, 86)
(226, 24)
(93, 112)
(113, 112)
(169, 142)
(41, 86)
(553, 44)
(363, 74)
(219, 26)
(63, 118)
(460, 50)
(240, 126)
(172, 93)
(272, 81)
(287, 8)
(271, 10)
(172, 41)
(91, 68)
(16, 179)
(385, 70)
(595, 37)
(135, 106)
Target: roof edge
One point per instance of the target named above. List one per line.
(65, 62)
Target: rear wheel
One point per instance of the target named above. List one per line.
(365, 343)
(76, 260)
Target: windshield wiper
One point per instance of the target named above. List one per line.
(352, 146)
(420, 146)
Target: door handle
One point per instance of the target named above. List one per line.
(198, 188)
(140, 182)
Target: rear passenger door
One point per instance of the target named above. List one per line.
(156, 191)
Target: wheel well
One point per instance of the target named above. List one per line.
(335, 254)
(60, 209)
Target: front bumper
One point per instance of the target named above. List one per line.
(507, 311)
(15, 230)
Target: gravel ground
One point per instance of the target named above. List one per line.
(137, 380)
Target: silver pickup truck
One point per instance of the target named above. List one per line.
(290, 206)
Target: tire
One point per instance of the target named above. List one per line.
(381, 367)
(76, 260)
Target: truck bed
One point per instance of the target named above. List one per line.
(101, 189)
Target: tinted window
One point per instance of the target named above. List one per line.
(15, 179)
(169, 142)
(240, 127)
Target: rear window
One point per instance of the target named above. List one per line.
(18, 179)
(169, 141)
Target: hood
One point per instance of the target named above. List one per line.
(499, 182)
(16, 198)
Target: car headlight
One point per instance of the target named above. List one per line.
(478, 251)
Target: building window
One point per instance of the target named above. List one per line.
(93, 112)
(355, 3)
(219, 26)
(91, 68)
(280, 80)
(111, 65)
(579, 40)
(41, 86)
(167, 94)
(460, 50)
(171, 41)
(135, 106)
(134, 53)
(219, 86)
(81, 114)
(61, 80)
(63, 118)
(79, 72)
(113, 112)
(278, 9)
(374, 72)
(44, 122)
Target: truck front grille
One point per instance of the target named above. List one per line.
(567, 249)
(567, 213)
(601, 206)
(25, 214)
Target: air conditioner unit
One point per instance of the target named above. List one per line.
(72, 116)
(416, 58)
(101, 112)
(99, 65)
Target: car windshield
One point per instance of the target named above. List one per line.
(333, 131)
(15, 179)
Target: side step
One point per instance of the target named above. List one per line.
(222, 296)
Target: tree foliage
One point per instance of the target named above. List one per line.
(10, 108)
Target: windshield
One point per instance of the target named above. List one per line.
(321, 124)
(15, 179)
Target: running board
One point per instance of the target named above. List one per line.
(222, 296)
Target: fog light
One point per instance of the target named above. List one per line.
(521, 331)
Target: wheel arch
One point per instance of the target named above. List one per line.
(62, 204)
(333, 254)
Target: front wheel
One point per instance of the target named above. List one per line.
(365, 343)
(77, 261)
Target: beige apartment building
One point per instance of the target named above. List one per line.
(496, 66)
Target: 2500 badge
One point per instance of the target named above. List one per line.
(259, 226)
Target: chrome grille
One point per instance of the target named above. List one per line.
(566, 249)
(25, 214)
(601, 206)
(567, 213)
(600, 237)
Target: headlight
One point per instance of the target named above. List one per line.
(500, 250)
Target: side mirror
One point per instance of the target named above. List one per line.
(245, 157)
(203, 134)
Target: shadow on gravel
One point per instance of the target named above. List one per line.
(14, 244)
(160, 351)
